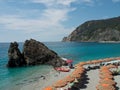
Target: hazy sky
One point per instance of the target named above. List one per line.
(50, 20)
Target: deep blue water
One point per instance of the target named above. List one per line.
(16, 77)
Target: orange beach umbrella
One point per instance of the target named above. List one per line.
(75, 75)
(104, 67)
(105, 74)
(95, 61)
(111, 82)
(111, 66)
(69, 79)
(82, 63)
(105, 87)
(102, 77)
(60, 83)
(79, 69)
(106, 79)
(48, 88)
(88, 62)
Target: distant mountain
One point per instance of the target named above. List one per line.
(96, 31)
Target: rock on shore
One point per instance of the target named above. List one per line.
(34, 53)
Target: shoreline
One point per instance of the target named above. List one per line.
(93, 41)
(108, 41)
(50, 78)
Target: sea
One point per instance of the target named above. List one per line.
(14, 78)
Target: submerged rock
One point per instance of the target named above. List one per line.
(34, 53)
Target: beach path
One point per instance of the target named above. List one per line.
(93, 76)
(117, 80)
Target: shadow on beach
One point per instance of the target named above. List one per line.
(81, 84)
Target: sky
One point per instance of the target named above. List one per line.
(50, 20)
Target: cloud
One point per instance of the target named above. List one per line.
(87, 1)
(116, 1)
(47, 29)
(53, 3)
(50, 18)
(47, 24)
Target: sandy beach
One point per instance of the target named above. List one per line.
(53, 76)
(50, 78)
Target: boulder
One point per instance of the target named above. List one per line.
(15, 57)
(37, 53)
(34, 53)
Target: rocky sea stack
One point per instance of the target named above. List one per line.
(34, 53)
(96, 31)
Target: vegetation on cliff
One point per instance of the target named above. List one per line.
(97, 30)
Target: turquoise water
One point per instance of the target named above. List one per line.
(17, 77)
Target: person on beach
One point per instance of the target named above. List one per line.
(43, 77)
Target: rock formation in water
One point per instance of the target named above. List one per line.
(96, 31)
(37, 53)
(15, 57)
(34, 53)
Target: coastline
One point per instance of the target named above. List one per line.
(94, 41)
(108, 41)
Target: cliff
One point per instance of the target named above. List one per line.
(34, 53)
(96, 31)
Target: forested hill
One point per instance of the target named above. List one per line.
(96, 30)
